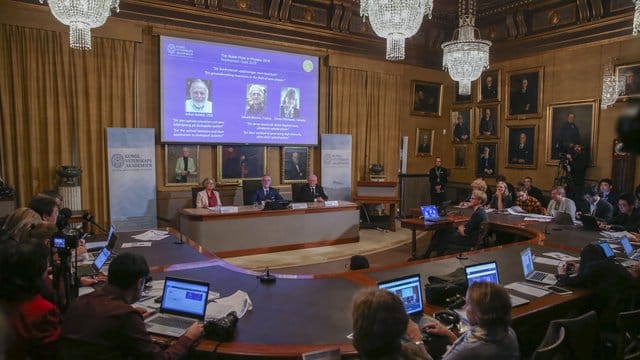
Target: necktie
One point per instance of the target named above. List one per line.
(313, 191)
(266, 192)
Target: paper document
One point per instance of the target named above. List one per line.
(531, 218)
(561, 256)
(489, 211)
(136, 244)
(528, 289)
(547, 261)
(615, 234)
(238, 302)
(152, 235)
(516, 210)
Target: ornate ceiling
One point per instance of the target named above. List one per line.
(516, 27)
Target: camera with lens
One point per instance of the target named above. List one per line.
(65, 239)
(221, 329)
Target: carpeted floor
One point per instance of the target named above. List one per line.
(380, 248)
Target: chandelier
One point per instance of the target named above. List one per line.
(465, 57)
(396, 20)
(81, 16)
(612, 86)
(636, 18)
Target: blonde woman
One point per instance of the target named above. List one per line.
(476, 185)
(501, 199)
(208, 197)
(19, 221)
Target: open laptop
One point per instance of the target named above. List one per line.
(408, 289)
(589, 223)
(632, 257)
(430, 213)
(489, 272)
(183, 303)
(112, 240)
(533, 275)
(96, 266)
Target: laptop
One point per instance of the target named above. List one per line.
(184, 302)
(632, 257)
(112, 240)
(489, 272)
(534, 275)
(96, 266)
(589, 223)
(430, 213)
(408, 289)
(276, 205)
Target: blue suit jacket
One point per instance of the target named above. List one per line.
(259, 195)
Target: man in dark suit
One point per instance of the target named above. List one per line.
(489, 89)
(296, 167)
(527, 182)
(521, 153)
(596, 207)
(438, 179)
(312, 191)
(524, 100)
(486, 163)
(266, 193)
(607, 193)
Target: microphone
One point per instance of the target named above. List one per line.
(64, 215)
(88, 217)
(461, 256)
(267, 278)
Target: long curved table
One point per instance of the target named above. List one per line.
(303, 313)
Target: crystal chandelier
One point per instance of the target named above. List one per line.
(636, 18)
(612, 86)
(81, 16)
(396, 20)
(465, 57)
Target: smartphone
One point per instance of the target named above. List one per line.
(558, 290)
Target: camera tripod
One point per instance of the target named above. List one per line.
(65, 285)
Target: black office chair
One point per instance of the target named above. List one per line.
(248, 189)
(625, 340)
(582, 337)
(483, 240)
(194, 194)
(553, 346)
(295, 192)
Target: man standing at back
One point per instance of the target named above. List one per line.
(438, 180)
(104, 325)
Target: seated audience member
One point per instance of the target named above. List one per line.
(35, 321)
(502, 198)
(463, 235)
(561, 204)
(608, 194)
(512, 190)
(46, 207)
(54, 194)
(208, 197)
(266, 193)
(476, 185)
(596, 207)
(380, 322)
(533, 191)
(488, 309)
(528, 203)
(116, 330)
(438, 196)
(18, 221)
(312, 191)
(628, 218)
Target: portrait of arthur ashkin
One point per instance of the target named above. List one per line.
(198, 97)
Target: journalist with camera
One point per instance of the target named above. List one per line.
(575, 163)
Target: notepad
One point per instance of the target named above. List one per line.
(528, 289)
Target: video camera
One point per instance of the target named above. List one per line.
(65, 239)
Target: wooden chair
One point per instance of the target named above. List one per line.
(553, 346)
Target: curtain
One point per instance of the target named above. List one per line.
(364, 104)
(55, 103)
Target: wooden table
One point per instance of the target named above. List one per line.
(416, 224)
(391, 201)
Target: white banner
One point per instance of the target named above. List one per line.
(132, 178)
(336, 166)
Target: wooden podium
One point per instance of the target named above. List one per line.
(379, 192)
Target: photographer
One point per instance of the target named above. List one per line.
(576, 169)
(116, 329)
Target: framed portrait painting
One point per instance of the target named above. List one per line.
(631, 75)
(572, 123)
(463, 99)
(239, 162)
(524, 93)
(295, 164)
(486, 165)
(181, 164)
(426, 98)
(460, 157)
(489, 86)
(522, 146)
(461, 120)
(424, 142)
(488, 121)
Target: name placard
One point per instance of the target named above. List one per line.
(331, 203)
(299, 205)
(228, 209)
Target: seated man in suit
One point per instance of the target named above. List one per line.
(312, 191)
(266, 193)
(596, 207)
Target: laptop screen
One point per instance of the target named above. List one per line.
(185, 297)
(111, 238)
(482, 272)
(608, 251)
(102, 258)
(527, 261)
(429, 212)
(408, 289)
(626, 246)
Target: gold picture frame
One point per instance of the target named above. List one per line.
(424, 142)
(631, 75)
(489, 168)
(426, 98)
(240, 162)
(525, 105)
(494, 92)
(289, 172)
(492, 130)
(525, 156)
(461, 134)
(174, 153)
(558, 138)
(460, 156)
